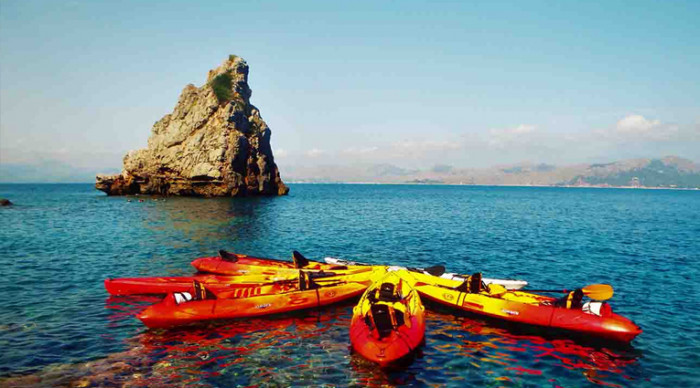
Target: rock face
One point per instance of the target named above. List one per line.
(213, 144)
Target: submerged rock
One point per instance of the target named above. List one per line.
(213, 144)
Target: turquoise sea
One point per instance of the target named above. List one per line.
(59, 242)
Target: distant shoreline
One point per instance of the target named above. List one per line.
(413, 184)
(482, 185)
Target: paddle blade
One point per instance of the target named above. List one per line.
(598, 291)
(436, 270)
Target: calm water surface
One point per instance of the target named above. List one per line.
(59, 242)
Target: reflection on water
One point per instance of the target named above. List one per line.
(312, 348)
(505, 356)
(216, 219)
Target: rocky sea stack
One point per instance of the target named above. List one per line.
(213, 144)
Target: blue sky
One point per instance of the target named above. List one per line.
(469, 84)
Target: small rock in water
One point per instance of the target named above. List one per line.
(5, 202)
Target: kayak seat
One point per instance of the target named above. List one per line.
(382, 319)
(398, 315)
(200, 292)
(386, 293)
(473, 284)
(572, 300)
(306, 281)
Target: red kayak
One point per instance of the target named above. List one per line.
(199, 305)
(228, 263)
(220, 283)
(167, 284)
(388, 323)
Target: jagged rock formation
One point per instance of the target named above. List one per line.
(213, 144)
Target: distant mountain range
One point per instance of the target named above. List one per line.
(668, 172)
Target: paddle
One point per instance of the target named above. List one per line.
(436, 270)
(593, 291)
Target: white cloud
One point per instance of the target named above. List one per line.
(503, 137)
(315, 153)
(360, 150)
(427, 145)
(639, 127)
(636, 124)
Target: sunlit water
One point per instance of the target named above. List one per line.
(58, 243)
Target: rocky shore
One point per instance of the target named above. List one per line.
(213, 144)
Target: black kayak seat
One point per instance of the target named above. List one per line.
(387, 294)
(572, 300)
(302, 281)
(306, 281)
(382, 319)
(227, 256)
(473, 284)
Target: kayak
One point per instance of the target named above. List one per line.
(228, 263)
(199, 305)
(220, 283)
(590, 319)
(510, 284)
(388, 323)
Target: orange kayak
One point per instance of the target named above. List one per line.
(197, 306)
(228, 263)
(388, 323)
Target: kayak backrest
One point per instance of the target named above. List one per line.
(306, 281)
(382, 319)
(227, 256)
(201, 292)
(299, 260)
(387, 293)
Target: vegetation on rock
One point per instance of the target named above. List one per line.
(221, 84)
